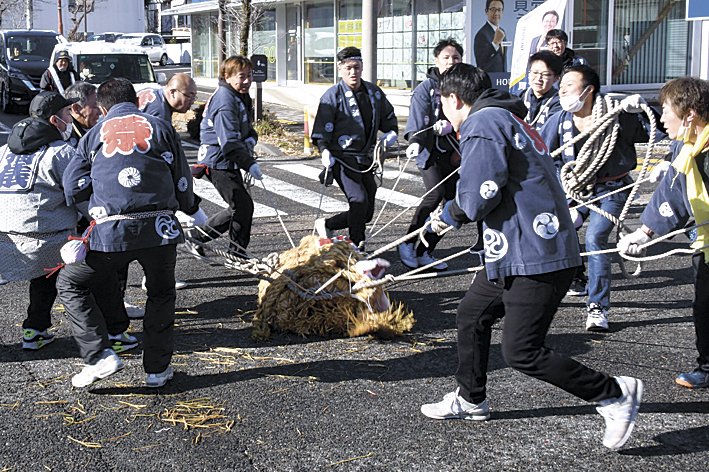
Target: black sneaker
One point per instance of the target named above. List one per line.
(578, 288)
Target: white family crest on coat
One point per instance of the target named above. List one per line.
(344, 141)
(167, 227)
(129, 177)
(488, 189)
(168, 157)
(546, 225)
(666, 210)
(98, 212)
(496, 245)
(182, 184)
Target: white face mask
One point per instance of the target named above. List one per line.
(573, 103)
(66, 134)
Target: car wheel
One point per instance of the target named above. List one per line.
(5, 100)
(163, 60)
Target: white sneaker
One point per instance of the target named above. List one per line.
(108, 364)
(427, 259)
(179, 284)
(597, 319)
(134, 311)
(159, 380)
(320, 228)
(620, 413)
(407, 254)
(454, 407)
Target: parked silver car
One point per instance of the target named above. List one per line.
(152, 44)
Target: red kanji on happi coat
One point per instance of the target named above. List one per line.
(145, 96)
(126, 134)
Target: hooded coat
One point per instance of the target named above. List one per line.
(34, 217)
(508, 181)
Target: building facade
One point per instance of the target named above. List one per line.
(634, 44)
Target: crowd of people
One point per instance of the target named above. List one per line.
(105, 167)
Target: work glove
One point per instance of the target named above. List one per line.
(659, 171)
(198, 218)
(413, 150)
(630, 243)
(576, 218)
(389, 139)
(327, 159)
(440, 220)
(442, 127)
(255, 171)
(631, 103)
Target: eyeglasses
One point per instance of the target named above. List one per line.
(555, 43)
(191, 96)
(543, 75)
(495, 10)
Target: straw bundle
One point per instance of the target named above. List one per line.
(289, 303)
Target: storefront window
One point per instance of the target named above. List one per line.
(650, 42)
(319, 43)
(395, 53)
(590, 35)
(205, 55)
(263, 39)
(436, 20)
(349, 24)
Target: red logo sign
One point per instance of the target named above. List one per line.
(125, 135)
(145, 96)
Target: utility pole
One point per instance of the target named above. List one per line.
(86, 29)
(369, 40)
(28, 14)
(60, 23)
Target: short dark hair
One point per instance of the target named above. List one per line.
(557, 34)
(487, 4)
(233, 65)
(80, 90)
(551, 12)
(687, 93)
(444, 43)
(466, 81)
(115, 91)
(552, 61)
(588, 77)
(350, 52)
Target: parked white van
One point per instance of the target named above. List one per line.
(98, 61)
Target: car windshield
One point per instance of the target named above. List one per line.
(96, 68)
(136, 40)
(30, 48)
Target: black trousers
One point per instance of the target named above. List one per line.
(432, 176)
(360, 190)
(43, 292)
(237, 218)
(528, 304)
(700, 309)
(76, 282)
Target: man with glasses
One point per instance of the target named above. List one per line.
(178, 95)
(489, 51)
(556, 42)
(541, 98)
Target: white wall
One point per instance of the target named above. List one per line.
(124, 16)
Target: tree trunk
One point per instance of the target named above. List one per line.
(221, 30)
(245, 28)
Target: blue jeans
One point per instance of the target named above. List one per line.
(597, 234)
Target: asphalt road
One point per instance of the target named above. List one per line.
(297, 403)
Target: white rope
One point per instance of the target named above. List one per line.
(283, 225)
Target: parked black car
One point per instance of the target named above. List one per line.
(24, 56)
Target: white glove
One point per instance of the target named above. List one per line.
(438, 226)
(630, 243)
(442, 127)
(255, 171)
(659, 171)
(413, 150)
(198, 218)
(327, 159)
(631, 103)
(389, 139)
(576, 218)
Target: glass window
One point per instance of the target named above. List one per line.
(263, 39)
(349, 24)
(395, 53)
(590, 35)
(205, 56)
(436, 20)
(651, 40)
(319, 43)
